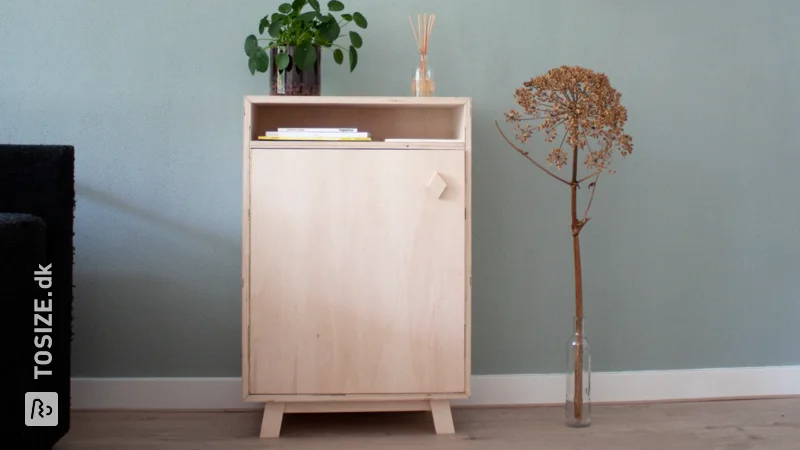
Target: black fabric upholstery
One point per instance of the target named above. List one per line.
(37, 200)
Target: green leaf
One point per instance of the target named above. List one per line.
(262, 60)
(282, 61)
(307, 17)
(338, 56)
(360, 20)
(353, 58)
(285, 8)
(329, 30)
(314, 4)
(297, 5)
(335, 5)
(355, 39)
(258, 62)
(327, 18)
(347, 17)
(275, 29)
(304, 56)
(250, 45)
(263, 25)
(277, 17)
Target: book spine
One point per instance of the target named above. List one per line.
(331, 138)
(317, 134)
(317, 130)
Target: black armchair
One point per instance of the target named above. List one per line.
(37, 200)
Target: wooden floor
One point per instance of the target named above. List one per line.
(734, 425)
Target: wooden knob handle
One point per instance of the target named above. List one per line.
(437, 185)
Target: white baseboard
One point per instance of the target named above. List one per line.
(487, 390)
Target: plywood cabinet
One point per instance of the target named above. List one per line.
(356, 257)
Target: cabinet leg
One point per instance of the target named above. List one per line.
(442, 417)
(272, 420)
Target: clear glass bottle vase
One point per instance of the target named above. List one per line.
(578, 407)
(422, 84)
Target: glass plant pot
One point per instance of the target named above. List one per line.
(578, 407)
(293, 81)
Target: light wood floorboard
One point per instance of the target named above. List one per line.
(729, 425)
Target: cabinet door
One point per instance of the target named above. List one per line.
(357, 272)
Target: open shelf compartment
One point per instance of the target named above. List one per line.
(436, 123)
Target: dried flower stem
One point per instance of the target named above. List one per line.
(527, 156)
(593, 185)
(576, 249)
(587, 177)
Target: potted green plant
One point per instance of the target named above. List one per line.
(294, 41)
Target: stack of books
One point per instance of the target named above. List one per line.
(316, 134)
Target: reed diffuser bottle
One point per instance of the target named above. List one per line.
(422, 84)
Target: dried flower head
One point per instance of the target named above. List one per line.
(557, 157)
(584, 102)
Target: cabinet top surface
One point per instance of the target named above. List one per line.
(358, 100)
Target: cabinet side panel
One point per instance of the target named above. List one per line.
(246, 246)
(358, 275)
(467, 120)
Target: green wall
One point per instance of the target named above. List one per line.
(691, 259)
